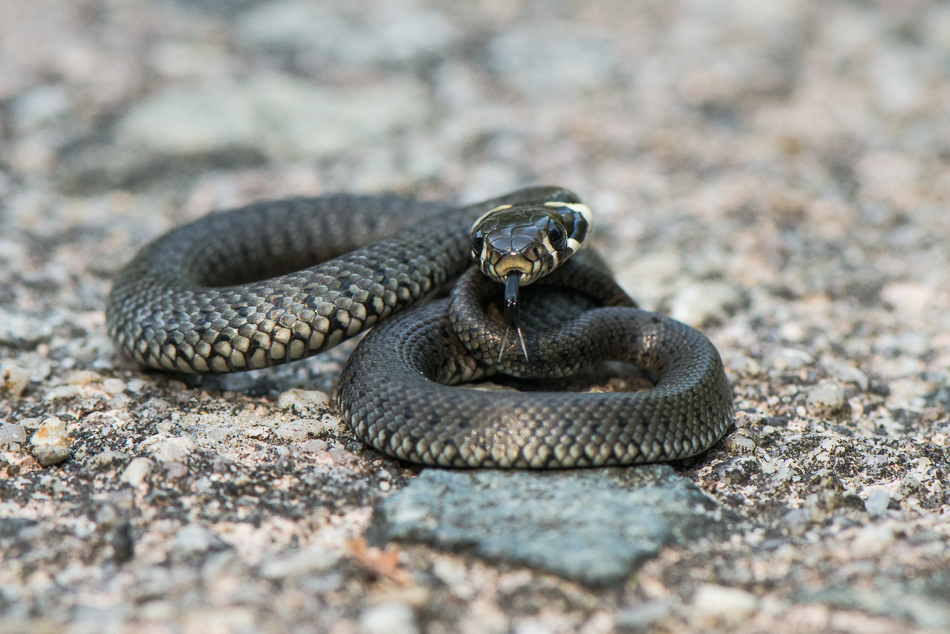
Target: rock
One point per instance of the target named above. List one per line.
(294, 431)
(738, 444)
(877, 502)
(38, 107)
(195, 538)
(10, 433)
(174, 449)
(313, 559)
(700, 302)
(790, 359)
(544, 59)
(23, 330)
(137, 471)
(50, 442)
(108, 459)
(303, 402)
(845, 372)
(62, 392)
(113, 387)
(13, 380)
(278, 115)
(394, 34)
(595, 526)
(388, 618)
(826, 397)
(314, 446)
(82, 377)
(712, 604)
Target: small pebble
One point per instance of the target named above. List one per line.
(713, 603)
(11, 433)
(314, 446)
(845, 372)
(194, 538)
(13, 380)
(113, 387)
(174, 449)
(698, 303)
(826, 397)
(388, 618)
(108, 459)
(791, 359)
(877, 502)
(50, 442)
(738, 444)
(62, 392)
(137, 471)
(294, 431)
(313, 559)
(82, 377)
(303, 402)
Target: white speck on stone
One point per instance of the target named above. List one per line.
(844, 372)
(50, 442)
(303, 401)
(294, 431)
(790, 359)
(877, 502)
(313, 559)
(137, 471)
(174, 449)
(388, 618)
(113, 387)
(13, 380)
(697, 303)
(62, 392)
(10, 433)
(713, 603)
(827, 396)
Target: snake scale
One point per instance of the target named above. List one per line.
(277, 281)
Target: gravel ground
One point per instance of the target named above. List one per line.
(775, 173)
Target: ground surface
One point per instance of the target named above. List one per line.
(775, 173)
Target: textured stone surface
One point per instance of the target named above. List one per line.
(592, 525)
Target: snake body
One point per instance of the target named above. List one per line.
(277, 281)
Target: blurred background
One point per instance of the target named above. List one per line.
(713, 138)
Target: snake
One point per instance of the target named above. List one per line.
(280, 280)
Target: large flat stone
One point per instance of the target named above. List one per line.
(596, 526)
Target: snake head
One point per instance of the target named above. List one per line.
(529, 240)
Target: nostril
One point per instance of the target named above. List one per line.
(536, 252)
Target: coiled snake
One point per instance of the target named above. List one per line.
(242, 289)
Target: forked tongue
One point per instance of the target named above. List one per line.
(513, 312)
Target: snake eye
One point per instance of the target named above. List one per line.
(556, 236)
(478, 243)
